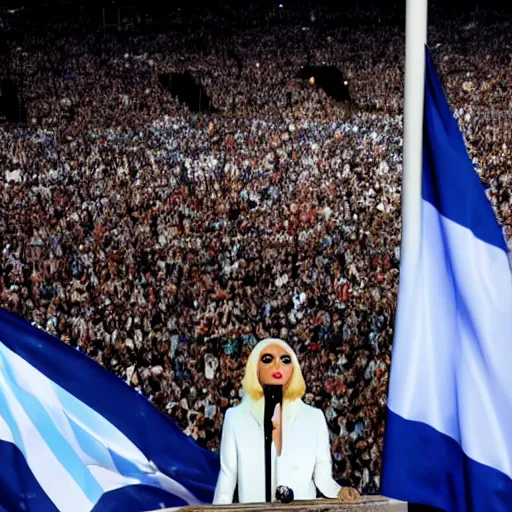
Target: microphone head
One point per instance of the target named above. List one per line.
(284, 494)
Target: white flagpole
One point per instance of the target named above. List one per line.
(415, 40)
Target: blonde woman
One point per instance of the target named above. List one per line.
(299, 456)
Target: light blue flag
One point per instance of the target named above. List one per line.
(75, 438)
(448, 440)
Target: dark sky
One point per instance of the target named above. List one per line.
(442, 8)
(466, 4)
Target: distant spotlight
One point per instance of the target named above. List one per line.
(345, 83)
(257, 64)
(281, 6)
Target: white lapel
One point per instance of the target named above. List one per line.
(258, 410)
(291, 411)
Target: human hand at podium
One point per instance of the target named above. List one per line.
(276, 432)
(349, 495)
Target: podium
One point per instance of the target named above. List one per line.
(367, 504)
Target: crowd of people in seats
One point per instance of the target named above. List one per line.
(164, 242)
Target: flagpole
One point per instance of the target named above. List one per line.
(414, 95)
(415, 40)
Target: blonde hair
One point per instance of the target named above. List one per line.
(296, 387)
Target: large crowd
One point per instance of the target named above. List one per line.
(164, 243)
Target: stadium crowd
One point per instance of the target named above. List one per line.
(164, 242)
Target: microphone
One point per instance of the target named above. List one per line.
(273, 395)
(284, 494)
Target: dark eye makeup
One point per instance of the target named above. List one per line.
(268, 358)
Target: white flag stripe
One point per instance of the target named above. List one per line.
(177, 489)
(457, 345)
(38, 385)
(112, 480)
(49, 472)
(5, 431)
(99, 428)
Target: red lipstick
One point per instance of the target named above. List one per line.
(277, 375)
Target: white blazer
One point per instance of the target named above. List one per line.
(304, 463)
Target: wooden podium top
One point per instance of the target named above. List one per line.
(367, 504)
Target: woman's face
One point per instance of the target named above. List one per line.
(275, 366)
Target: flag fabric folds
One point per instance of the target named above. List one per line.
(448, 441)
(74, 437)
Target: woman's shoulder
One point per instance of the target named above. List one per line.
(240, 409)
(313, 412)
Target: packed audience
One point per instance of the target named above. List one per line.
(164, 243)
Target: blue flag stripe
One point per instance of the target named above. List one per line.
(128, 468)
(19, 489)
(446, 478)
(135, 498)
(450, 183)
(92, 446)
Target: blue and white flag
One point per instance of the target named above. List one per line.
(448, 440)
(75, 438)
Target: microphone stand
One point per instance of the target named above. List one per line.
(273, 395)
